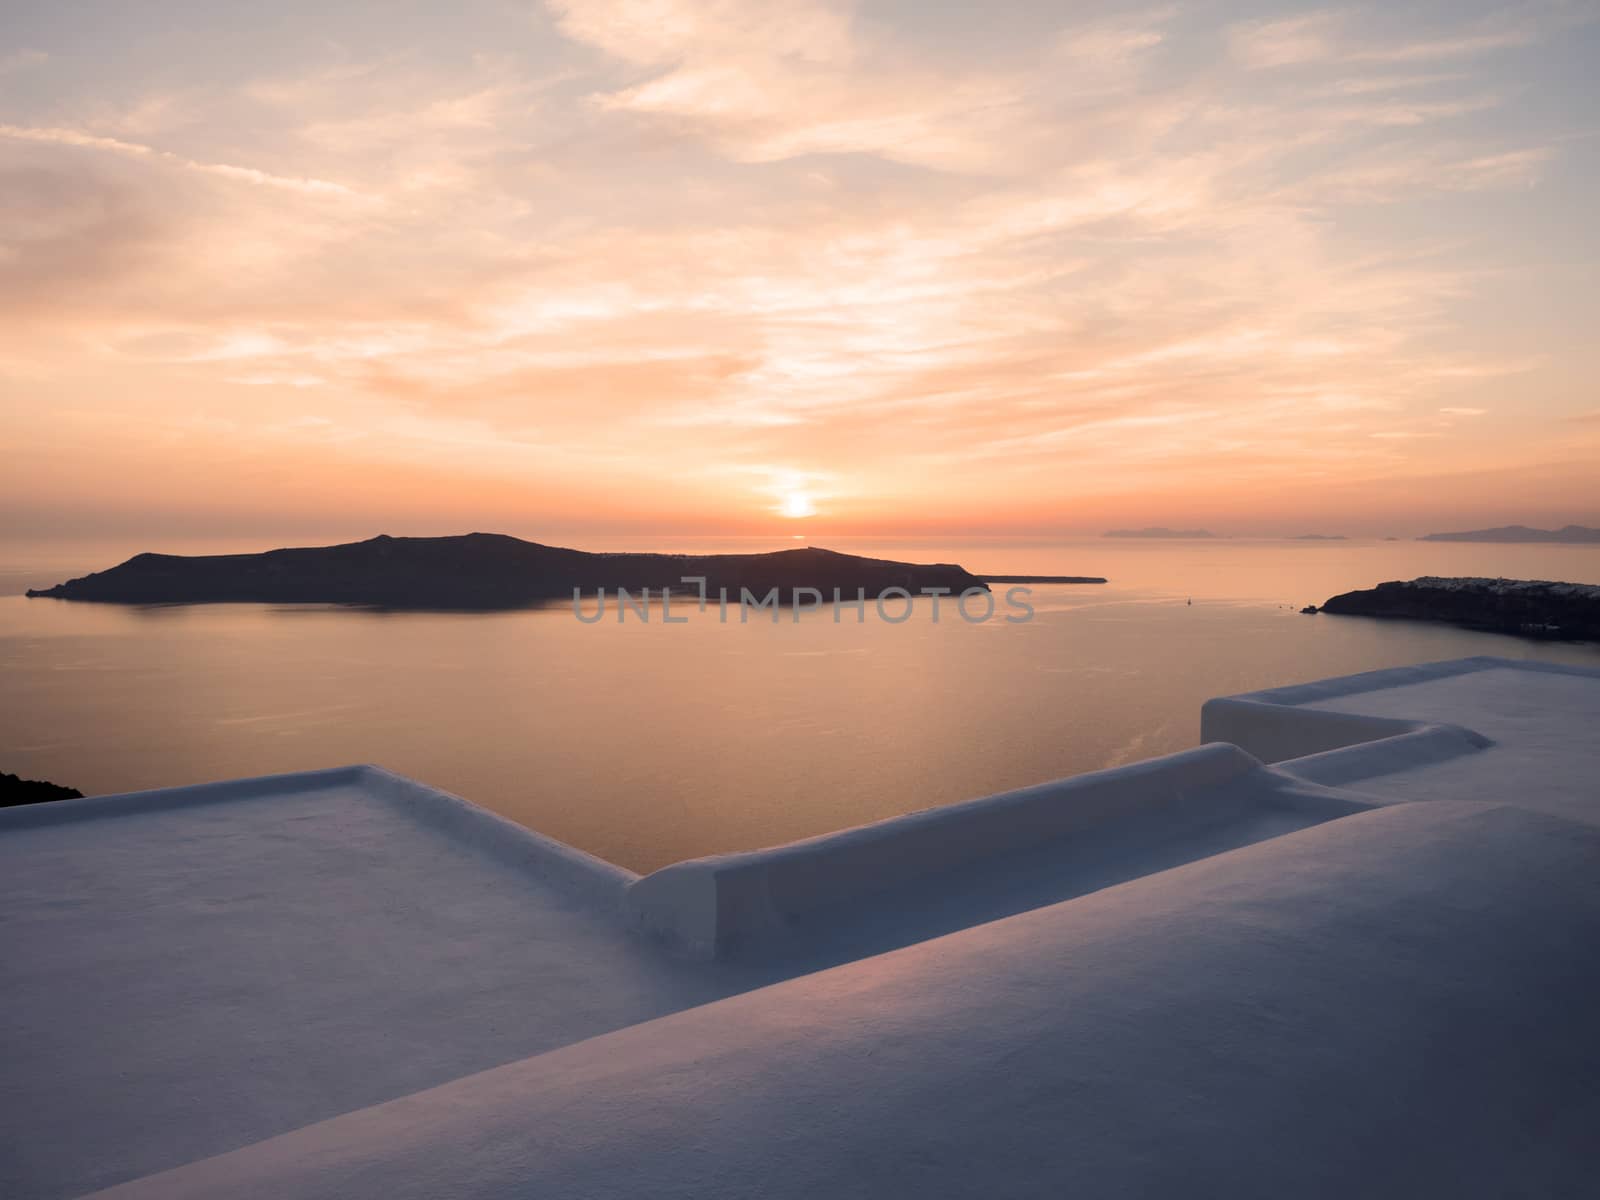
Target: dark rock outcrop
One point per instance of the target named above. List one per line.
(15, 791)
(485, 570)
(1044, 579)
(1531, 608)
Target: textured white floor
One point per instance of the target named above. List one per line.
(1396, 1004)
(183, 981)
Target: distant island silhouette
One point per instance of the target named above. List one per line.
(1570, 534)
(485, 570)
(1158, 531)
(1527, 607)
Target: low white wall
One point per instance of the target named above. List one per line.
(1421, 747)
(598, 882)
(1275, 726)
(568, 868)
(61, 812)
(1386, 678)
(708, 907)
(1277, 732)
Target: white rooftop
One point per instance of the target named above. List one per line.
(1366, 969)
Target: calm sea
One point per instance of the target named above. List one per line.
(646, 743)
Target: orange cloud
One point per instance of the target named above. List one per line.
(662, 265)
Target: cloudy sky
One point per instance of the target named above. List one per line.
(660, 266)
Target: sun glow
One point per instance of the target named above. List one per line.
(796, 505)
(923, 280)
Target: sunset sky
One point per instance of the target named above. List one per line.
(654, 266)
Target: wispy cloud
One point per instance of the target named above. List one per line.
(1287, 41)
(1338, 36)
(22, 60)
(76, 138)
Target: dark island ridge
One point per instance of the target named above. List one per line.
(1569, 535)
(488, 570)
(1530, 608)
(1043, 579)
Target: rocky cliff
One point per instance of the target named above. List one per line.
(1533, 608)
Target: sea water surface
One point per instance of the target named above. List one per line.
(646, 743)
